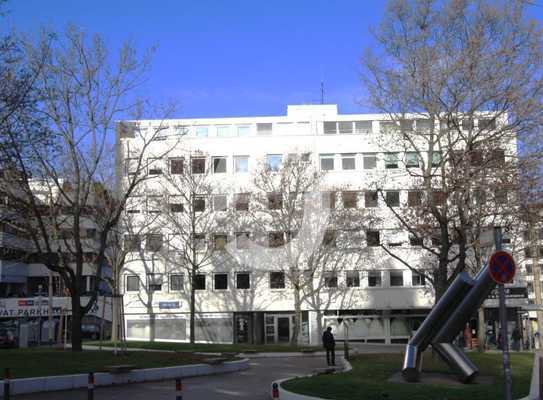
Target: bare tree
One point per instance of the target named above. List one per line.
(460, 81)
(190, 210)
(294, 233)
(68, 210)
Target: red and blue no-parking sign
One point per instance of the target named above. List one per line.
(502, 267)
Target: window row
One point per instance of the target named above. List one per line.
(328, 127)
(276, 280)
(201, 164)
(393, 160)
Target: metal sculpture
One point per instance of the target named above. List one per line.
(441, 326)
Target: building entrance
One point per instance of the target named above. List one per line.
(278, 328)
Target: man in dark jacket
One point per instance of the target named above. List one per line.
(329, 344)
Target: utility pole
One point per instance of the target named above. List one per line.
(322, 92)
(533, 239)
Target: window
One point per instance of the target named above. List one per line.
(220, 281)
(370, 161)
(198, 165)
(153, 242)
(414, 198)
(330, 279)
(154, 282)
(273, 162)
(391, 160)
(132, 283)
(199, 241)
(132, 242)
(348, 161)
(220, 202)
(438, 197)
(352, 279)
(219, 241)
(177, 166)
(329, 200)
(175, 204)
(497, 156)
(423, 124)
(475, 158)
(131, 166)
(329, 238)
(241, 201)
(219, 165)
(202, 131)
(362, 127)
(388, 126)
(392, 198)
(244, 130)
(243, 280)
(276, 239)
(199, 204)
(199, 282)
(275, 201)
(372, 238)
(411, 160)
(529, 269)
(176, 282)
(350, 199)
(223, 130)
(528, 252)
(241, 164)
(487, 124)
(371, 199)
(277, 280)
(345, 127)
(500, 196)
(436, 158)
(417, 279)
(242, 240)
(327, 162)
(415, 240)
(330, 127)
(374, 279)
(396, 278)
(264, 128)
(154, 204)
(134, 204)
(154, 166)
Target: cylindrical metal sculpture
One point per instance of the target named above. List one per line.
(422, 338)
(441, 326)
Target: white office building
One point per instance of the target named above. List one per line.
(253, 304)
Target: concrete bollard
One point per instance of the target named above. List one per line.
(178, 389)
(6, 384)
(90, 386)
(275, 390)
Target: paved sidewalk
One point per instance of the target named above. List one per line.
(252, 384)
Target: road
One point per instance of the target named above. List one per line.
(251, 384)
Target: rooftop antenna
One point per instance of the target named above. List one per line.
(322, 92)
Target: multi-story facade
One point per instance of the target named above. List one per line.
(253, 304)
(31, 294)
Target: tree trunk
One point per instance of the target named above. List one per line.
(77, 343)
(481, 334)
(296, 332)
(192, 311)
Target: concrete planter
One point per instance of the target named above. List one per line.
(67, 382)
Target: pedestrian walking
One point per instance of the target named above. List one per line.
(329, 344)
(516, 337)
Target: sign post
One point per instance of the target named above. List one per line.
(502, 270)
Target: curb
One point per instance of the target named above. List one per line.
(67, 382)
(286, 395)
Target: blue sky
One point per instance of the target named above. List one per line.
(230, 57)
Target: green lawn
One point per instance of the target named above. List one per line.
(212, 348)
(25, 363)
(370, 374)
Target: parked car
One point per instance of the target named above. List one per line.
(91, 331)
